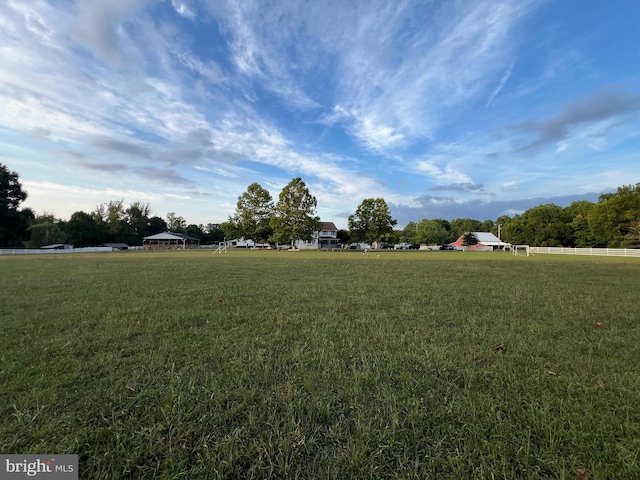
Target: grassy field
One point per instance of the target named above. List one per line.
(255, 364)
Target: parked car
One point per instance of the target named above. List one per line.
(447, 247)
(402, 246)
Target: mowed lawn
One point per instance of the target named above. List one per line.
(258, 364)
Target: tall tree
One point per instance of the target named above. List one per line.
(294, 216)
(372, 221)
(176, 224)
(136, 224)
(549, 224)
(460, 226)
(112, 216)
(499, 225)
(544, 226)
(344, 237)
(431, 232)
(214, 232)
(253, 214)
(615, 220)
(196, 231)
(578, 212)
(14, 223)
(230, 230)
(84, 231)
(517, 231)
(409, 233)
(45, 230)
(470, 239)
(157, 225)
(487, 226)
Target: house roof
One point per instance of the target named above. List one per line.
(329, 226)
(55, 246)
(484, 238)
(170, 236)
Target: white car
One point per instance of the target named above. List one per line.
(402, 246)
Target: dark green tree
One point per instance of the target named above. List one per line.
(253, 214)
(46, 229)
(578, 212)
(176, 224)
(460, 226)
(517, 231)
(549, 226)
(112, 216)
(486, 226)
(344, 237)
(543, 226)
(409, 233)
(84, 231)
(230, 230)
(469, 239)
(431, 232)
(499, 227)
(157, 225)
(136, 224)
(196, 231)
(294, 216)
(14, 223)
(615, 220)
(214, 232)
(372, 221)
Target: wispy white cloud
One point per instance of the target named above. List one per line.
(501, 84)
(184, 9)
(450, 58)
(446, 174)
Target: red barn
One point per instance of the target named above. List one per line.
(487, 241)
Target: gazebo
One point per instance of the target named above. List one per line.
(169, 241)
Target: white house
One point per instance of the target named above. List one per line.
(326, 238)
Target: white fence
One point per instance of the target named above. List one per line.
(608, 252)
(40, 251)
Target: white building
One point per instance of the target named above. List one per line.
(326, 238)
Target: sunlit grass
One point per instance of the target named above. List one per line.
(257, 364)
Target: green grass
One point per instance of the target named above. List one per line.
(255, 364)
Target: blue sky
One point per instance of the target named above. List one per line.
(446, 109)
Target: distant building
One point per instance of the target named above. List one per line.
(325, 238)
(116, 246)
(245, 243)
(487, 241)
(170, 241)
(57, 246)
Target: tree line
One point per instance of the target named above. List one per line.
(613, 221)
